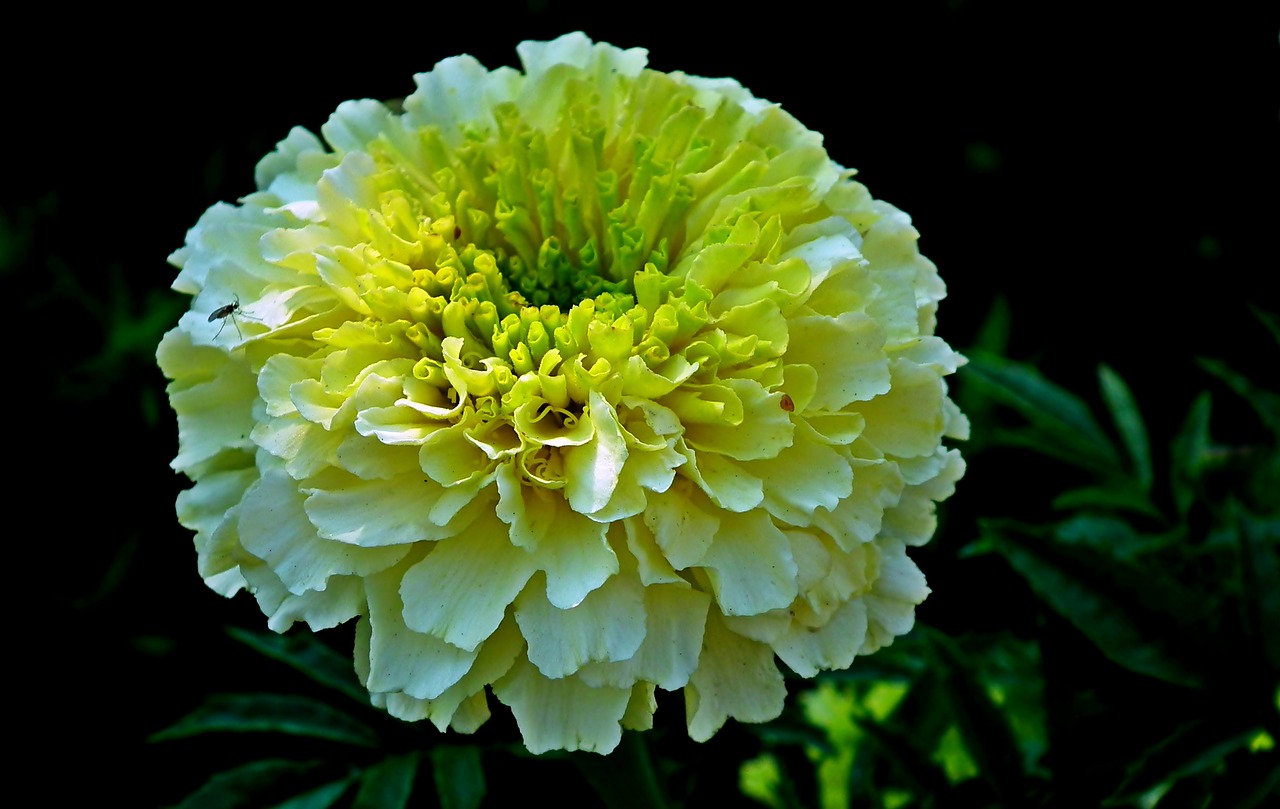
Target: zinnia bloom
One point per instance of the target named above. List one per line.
(569, 384)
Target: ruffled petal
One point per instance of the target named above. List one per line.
(750, 565)
(564, 714)
(736, 677)
(460, 590)
(400, 659)
(608, 625)
(273, 526)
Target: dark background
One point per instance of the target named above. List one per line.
(1109, 169)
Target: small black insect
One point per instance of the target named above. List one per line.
(226, 311)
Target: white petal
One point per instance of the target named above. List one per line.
(640, 708)
(608, 625)
(833, 646)
(876, 486)
(593, 469)
(736, 677)
(907, 421)
(652, 565)
(676, 616)
(214, 414)
(913, 519)
(462, 706)
(726, 482)
(848, 354)
(569, 547)
(461, 590)
(420, 665)
(803, 477)
(565, 714)
(750, 565)
(376, 513)
(274, 528)
(458, 91)
(894, 595)
(340, 601)
(683, 523)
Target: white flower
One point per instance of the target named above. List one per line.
(570, 384)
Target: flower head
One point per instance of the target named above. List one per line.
(569, 384)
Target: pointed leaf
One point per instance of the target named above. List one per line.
(1059, 416)
(624, 779)
(1268, 320)
(307, 654)
(459, 776)
(1106, 498)
(1260, 569)
(322, 797)
(1055, 446)
(248, 784)
(1192, 749)
(270, 713)
(1251, 780)
(993, 336)
(900, 746)
(987, 736)
(388, 784)
(791, 729)
(1265, 403)
(1132, 614)
(1190, 451)
(1128, 421)
(1109, 536)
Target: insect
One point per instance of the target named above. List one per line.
(226, 311)
(787, 404)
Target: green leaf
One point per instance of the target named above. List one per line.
(762, 780)
(1128, 421)
(1135, 615)
(1063, 425)
(1110, 536)
(1268, 320)
(791, 729)
(625, 778)
(322, 797)
(1251, 781)
(459, 776)
(307, 654)
(1260, 570)
(993, 336)
(388, 784)
(1106, 498)
(986, 735)
(248, 784)
(270, 713)
(1190, 453)
(1264, 402)
(1194, 748)
(900, 748)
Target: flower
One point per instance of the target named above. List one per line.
(570, 384)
